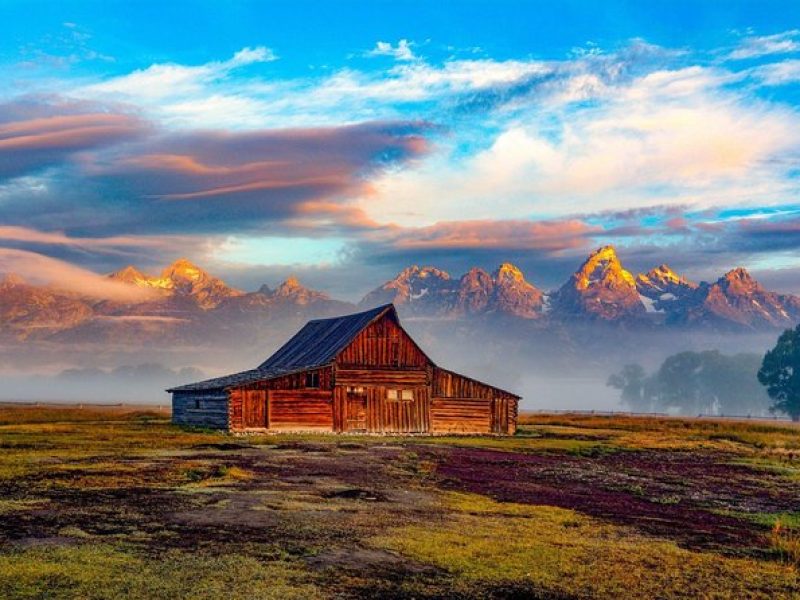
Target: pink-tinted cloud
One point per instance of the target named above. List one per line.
(35, 137)
(313, 162)
(45, 270)
(10, 233)
(517, 234)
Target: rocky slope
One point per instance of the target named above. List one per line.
(736, 299)
(663, 290)
(430, 292)
(29, 311)
(182, 280)
(601, 289)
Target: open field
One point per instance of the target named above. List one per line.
(119, 503)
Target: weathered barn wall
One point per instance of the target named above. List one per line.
(301, 410)
(461, 415)
(268, 403)
(206, 408)
(463, 405)
(382, 344)
(380, 414)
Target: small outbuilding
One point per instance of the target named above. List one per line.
(356, 373)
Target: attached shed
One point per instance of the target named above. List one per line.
(357, 373)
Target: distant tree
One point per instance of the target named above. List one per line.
(780, 373)
(732, 382)
(633, 384)
(693, 383)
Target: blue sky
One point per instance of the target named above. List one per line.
(343, 141)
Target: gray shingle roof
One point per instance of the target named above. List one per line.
(315, 345)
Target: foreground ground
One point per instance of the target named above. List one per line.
(121, 504)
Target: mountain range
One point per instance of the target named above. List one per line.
(185, 304)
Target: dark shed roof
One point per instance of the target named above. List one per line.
(315, 345)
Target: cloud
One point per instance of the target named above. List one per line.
(45, 270)
(674, 136)
(41, 135)
(170, 79)
(496, 234)
(305, 164)
(780, 73)
(215, 181)
(756, 46)
(402, 51)
(117, 244)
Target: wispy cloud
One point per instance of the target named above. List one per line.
(402, 51)
(170, 79)
(763, 45)
(779, 73)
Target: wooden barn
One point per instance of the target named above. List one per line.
(356, 373)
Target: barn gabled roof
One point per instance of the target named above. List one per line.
(315, 345)
(320, 340)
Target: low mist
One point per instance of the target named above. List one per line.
(552, 369)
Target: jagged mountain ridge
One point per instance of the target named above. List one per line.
(428, 291)
(600, 289)
(736, 299)
(190, 305)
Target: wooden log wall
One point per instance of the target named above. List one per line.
(301, 410)
(461, 415)
(447, 384)
(384, 377)
(463, 405)
(250, 404)
(295, 381)
(212, 411)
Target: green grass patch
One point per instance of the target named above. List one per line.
(563, 552)
(106, 572)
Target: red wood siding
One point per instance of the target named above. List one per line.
(382, 344)
(295, 381)
(463, 405)
(384, 415)
(301, 410)
(386, 377)
(447, 384)
(461, 415)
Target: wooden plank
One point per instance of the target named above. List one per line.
(385, 377)
(301, 409)
(382, 344)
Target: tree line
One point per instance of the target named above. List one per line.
(710, 382)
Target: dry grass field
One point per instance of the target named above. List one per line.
(121, 504)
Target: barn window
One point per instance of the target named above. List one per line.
(400, 395)
(197, 403)
(312, 380)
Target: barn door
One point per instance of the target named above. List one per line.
(499, 415)
(356, 409)
(254, 409)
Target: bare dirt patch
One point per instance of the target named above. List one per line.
(676, 495)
